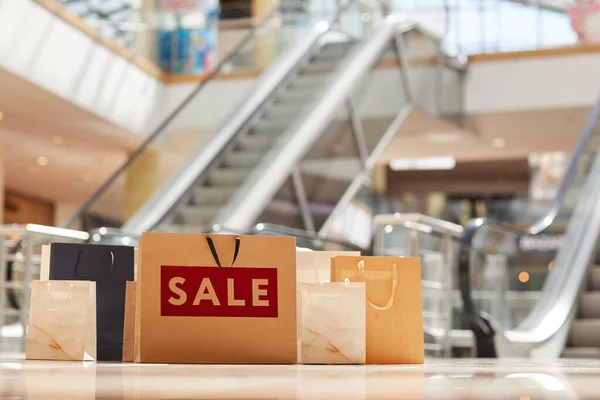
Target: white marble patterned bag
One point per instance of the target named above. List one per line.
(62, 321)
(313, 267)
(333, 326)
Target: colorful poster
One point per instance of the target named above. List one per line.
(585, 20)
(187, 51)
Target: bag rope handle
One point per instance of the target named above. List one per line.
(79, 253)
(213, 250)
(390, 302)
(63, 303)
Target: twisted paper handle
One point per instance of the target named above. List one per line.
(213, 250)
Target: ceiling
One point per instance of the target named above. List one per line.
(495, 136)
(51, 148)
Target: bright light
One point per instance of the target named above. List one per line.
(216, 228)
(126, 240)
(96, 237)
(523, 277)
(388, 229)
(397, 215)
(499, 143)
(102, 231)
(443, 137)
(423, 164)
(19, 256)
(260, 227)
(58, 140)
(42, 161)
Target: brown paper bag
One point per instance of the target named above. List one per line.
(216, 299)
(62, 321)
(394, 305)
(129, 323)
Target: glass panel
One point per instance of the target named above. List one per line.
(509, 270)
(192, 125)
(476, 26)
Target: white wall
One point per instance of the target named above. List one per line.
(534, 83)
(42, 48)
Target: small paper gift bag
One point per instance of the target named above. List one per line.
(62, 321)
(394, 305)
(313, 267)
(333, 326)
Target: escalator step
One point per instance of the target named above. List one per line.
(258, 140)
(242, 159)
(197, 215)
(581, 352)
(586, 333)
(589, 305)
(227, 177)
(206, 195)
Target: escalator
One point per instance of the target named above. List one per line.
(559, 316)
(297, 110)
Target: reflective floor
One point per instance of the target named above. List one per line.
(443, 379)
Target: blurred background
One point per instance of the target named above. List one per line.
(461, 131)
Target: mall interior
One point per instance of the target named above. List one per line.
(460, 132)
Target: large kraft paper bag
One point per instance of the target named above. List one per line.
(216, 299)
(394, 305)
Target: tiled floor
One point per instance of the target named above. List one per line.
(443, 379)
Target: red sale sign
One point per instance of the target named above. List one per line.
(218, 292)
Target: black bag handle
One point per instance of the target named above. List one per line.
(211, 245)
(80, 252)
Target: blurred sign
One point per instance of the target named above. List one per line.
(585, 20)
(543, 242)
(180, 5)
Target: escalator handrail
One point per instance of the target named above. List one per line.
(287, 231)
(161, 127)
(480, 326)
(171, 191)
(276, 166)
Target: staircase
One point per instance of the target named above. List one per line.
(584, 340)
(292, 101)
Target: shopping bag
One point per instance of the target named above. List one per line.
(62, 321)
(333, 326)
(315, 266)
(394, 305)
(129, 322)
(110, 267)
(216, 299)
